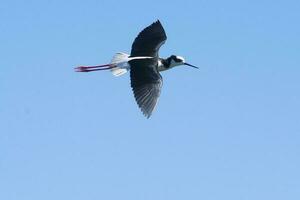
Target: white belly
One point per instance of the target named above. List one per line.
(160, 66)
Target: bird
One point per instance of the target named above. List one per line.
(144, 65)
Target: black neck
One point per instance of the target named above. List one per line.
(166, 62)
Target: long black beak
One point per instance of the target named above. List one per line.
(191, 65)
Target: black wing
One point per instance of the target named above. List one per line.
(148, 42)
(146, 83)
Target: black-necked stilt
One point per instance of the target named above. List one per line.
(144, 65)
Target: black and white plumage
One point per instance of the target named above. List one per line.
(144, 64)
(146, 82)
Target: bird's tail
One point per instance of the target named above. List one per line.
(121, 64)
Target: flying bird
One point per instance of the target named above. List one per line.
(144, 65)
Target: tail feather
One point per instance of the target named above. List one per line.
(120, 60)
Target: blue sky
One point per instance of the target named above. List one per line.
(229, 131)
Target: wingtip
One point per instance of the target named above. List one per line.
(147, 115)
(158, 21)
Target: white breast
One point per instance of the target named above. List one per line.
(160, 66)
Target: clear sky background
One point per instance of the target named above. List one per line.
(229, 131)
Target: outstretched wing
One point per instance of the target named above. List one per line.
(148, 42)
(146, 83)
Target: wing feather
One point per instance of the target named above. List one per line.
(146, 83)
(148, 41)
(147, 97)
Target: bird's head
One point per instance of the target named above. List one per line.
(178, 60)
